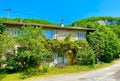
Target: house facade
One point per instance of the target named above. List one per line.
(52, 32)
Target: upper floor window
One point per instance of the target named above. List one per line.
(81, 35)
(55, 34)
(48, 34)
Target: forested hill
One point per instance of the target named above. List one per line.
(27, 20)
(93, 22)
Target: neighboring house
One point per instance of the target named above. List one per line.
(53, 32)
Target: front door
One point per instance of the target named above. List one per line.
(59, 59)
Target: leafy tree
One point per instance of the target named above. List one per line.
(2, 28)
(105, 44)
(86, 56)
(30, 49)
(6, 45)
(115, 29)
(31, 40)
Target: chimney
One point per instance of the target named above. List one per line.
(62, 23)
(21, 21)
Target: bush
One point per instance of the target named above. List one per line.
(86, 56)
(105, 44)
(46, 68)
(36, 71)
(108, 57)
(2, 28)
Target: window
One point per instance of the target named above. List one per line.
(59, 54)
(55, 33)
(47, 56)
(48, 34)
(81, 35)
(7, 30)
(16, 31)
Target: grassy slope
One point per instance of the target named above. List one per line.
(26, 20)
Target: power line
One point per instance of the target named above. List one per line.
(23, 13)
(16, 12)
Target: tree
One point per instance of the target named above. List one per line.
(115, 29)
(6, 45)
(32, 41)
(2, 28)
(30, 51)
(85, 55)
(105, 44)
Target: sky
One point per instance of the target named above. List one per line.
(55, 10)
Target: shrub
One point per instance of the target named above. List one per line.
(46, 68)
(36, 71)
(86, 56)
(105, 44)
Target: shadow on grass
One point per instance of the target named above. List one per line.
(31, 73)
(2, 76)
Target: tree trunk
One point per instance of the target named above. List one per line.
(70, 59)
(0, 65)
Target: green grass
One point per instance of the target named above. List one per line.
(10, 77)
(52, 72)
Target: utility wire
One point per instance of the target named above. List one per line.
(11, 12)
(24, 13)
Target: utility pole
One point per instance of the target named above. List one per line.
(8, 10)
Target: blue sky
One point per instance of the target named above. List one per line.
(55, 10)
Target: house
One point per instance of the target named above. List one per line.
(53, 32)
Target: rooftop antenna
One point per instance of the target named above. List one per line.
(62, 23)
(8, 10)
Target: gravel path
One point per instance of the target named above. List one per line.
(111, 73)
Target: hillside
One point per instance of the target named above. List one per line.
(94, 21)
(27, 20)
(97, 22)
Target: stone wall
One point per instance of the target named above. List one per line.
(74, 35)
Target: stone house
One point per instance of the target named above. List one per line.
(53, 32)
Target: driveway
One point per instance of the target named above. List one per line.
(111, 73)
